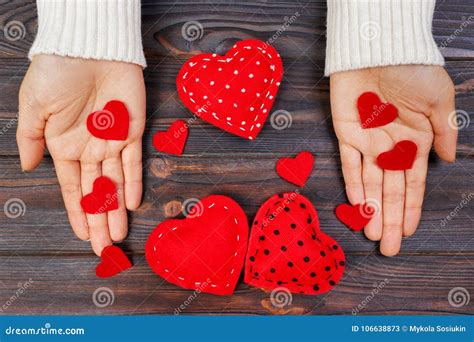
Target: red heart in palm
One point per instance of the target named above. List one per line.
(287, 248)
(103, 197)
(110, 123)
(373, 112)
(173, 140)
(234, 92)
(203, 252)
(296, 170)
(113, 262)
(356, 216)
(401, 157)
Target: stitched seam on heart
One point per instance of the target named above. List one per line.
(337, 268)
(233, 260)
(267, 102)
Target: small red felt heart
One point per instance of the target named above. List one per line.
(204, 251)
(401, 157)
(356, 216)
(173, 140)
(234, 92)
(110, 123)
(373, 112)
(103, 197)
(113, 262)
(287, 248)
(296, 170)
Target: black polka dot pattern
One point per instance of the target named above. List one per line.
(291, 250)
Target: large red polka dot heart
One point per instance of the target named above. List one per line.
(234, 92)
(287, 248)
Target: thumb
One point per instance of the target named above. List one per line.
(445, 126)
(30, 135)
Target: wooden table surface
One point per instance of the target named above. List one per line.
(40, 256)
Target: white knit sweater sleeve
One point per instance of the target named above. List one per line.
(92, 29)
(370, 33)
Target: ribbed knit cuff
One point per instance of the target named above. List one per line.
(92, 29)
(371, 33)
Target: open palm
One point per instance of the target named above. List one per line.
(56, 97)
(424, 96)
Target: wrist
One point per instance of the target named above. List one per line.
(371, 33)
(90, 29)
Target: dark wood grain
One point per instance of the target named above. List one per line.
(40, 245)
(406, 285)
(304, 93)
(227, 21)
(175, 179)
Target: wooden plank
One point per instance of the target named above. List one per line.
(404, 285)
(225, 22)
(251, 180)
(303, 93)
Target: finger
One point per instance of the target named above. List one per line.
(98, 228)
(444, 124)
(132, 170)
(392, 205)
(372, 177)
(415, 190)
(30, 135)
(117, 219)
(352, 172)
(69, 176)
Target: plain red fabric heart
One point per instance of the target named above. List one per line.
(110, 123)
(373, 112)
(287, 248)
(113, 262)
(234, 92)
(173, 140)
(356, 216)
(401, 157)
(103, 197)
(296, 170)
(203, 252)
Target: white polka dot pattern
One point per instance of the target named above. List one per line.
(234, 92)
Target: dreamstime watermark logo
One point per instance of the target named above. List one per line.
(192, 30)
(459, 119)
(287, 22)
(369, 30)
(22, 287)
(376, 111)
(280, 208)
(9, 125)
(192, 207)
(109, 200)
(281, 119)
(375, 291)
(14, 30)
(14, 208)
(465, 23)
(201, 287)
(103, 119)
(370, 208)
(458, 297)
(463, 203)
(103, 297)
(281, 297)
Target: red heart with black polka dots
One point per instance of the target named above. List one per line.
(234, 92)
(287, 248)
